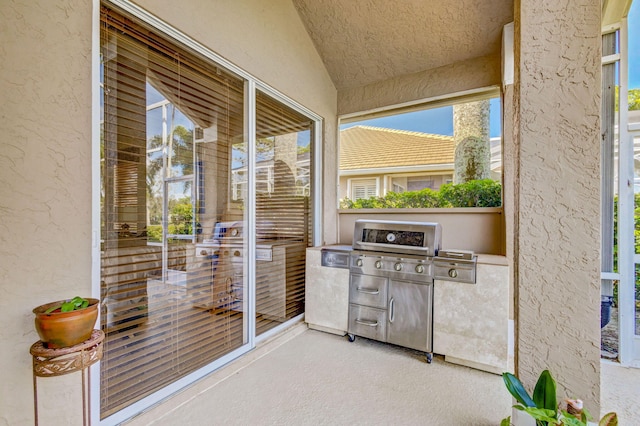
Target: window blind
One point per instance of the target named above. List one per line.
(166, 310)
(363, 188)
(283, 214)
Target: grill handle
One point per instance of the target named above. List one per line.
(366, 322)
(368, 290)
(391, 310)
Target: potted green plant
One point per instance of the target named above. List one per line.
(543, 406)
(66, 322)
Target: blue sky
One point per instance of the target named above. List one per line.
(438, 121)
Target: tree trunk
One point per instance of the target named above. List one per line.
(471, 138)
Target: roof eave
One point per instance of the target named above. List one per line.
(401, 169)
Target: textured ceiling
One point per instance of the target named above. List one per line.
(364, 41)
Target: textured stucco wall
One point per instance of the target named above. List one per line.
(557, 91)
(458, 77)
(509, 156)
(45, 183)
(46, 164)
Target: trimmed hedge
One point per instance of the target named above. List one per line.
(475, 193)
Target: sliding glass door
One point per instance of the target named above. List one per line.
(206, 213)
(172, 282)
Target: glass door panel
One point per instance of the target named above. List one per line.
(283, 210)
(171, 279)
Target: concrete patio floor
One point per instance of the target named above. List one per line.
(307, 377)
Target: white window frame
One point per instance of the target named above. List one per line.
(351, 183)
(629, 341)
(483, 93)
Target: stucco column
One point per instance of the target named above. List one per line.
(557, 229)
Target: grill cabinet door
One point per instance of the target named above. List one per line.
(410, 315)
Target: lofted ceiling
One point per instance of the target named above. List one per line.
(365, 41)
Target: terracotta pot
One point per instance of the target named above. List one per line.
(62, 329)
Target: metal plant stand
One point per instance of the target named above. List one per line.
(57, 362)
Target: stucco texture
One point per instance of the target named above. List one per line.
(45, 178)
(557, 236)
(471, 74)
(368, 41)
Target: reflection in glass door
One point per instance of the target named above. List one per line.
(283, 164)
(171, 282)
(632, 60)
(187, 190)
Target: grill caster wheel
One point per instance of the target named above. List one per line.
(429, 357)
(351, 337)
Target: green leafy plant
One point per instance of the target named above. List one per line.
(74, 304)
(475, 193)
(543, 406)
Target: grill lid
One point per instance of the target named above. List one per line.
(422, 238)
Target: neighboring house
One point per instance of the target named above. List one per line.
(375, 161)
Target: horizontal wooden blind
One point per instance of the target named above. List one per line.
(161, 323)
(273, 118)
(283, 214)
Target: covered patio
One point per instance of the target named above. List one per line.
(307, 377)
(337, 59)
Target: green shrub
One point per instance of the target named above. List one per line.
(154, 233)
(475, 193)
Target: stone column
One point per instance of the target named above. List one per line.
(557, 228)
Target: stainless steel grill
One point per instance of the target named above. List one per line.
(391, 274)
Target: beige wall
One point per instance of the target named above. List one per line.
(387, 181)
(557, 233)
(477, 229)
(46, 164)
(469, 75)
(45, 181)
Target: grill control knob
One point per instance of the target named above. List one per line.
(378, 264)
(358, 262)
(453, 273)
(398, 266)
(420, 269)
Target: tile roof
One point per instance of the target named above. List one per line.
(366, 147)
